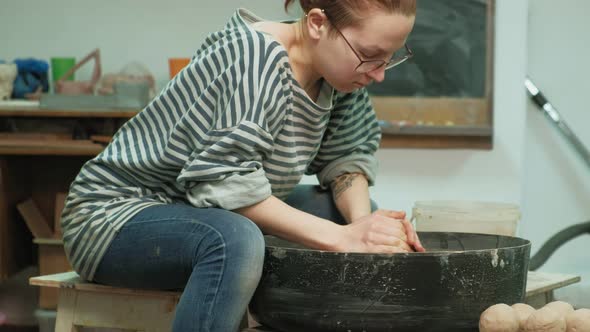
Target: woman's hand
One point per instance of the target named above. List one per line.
(383, 231)
(379, 232)
(411, 234)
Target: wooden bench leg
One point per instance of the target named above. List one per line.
(66, 311)
(129, 311)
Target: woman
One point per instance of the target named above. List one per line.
(179, 197)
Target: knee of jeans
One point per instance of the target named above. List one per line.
(245, 237)
(245, 248)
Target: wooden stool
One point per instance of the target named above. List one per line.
(85, 304)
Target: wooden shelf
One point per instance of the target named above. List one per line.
(404, 141)
(396, 129)
(49, 147)
(35, 111)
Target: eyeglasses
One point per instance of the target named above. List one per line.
(366, 66)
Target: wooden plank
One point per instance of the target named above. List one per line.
(52, 259)
(125, 311)
(538, 301)
(48, 241)
(35, 111)
(435, 142)
(58, 280)
(72, 280)
(542, 282)
(44, 147)
(432, 110)
(37, 224)
(101, 138)
(449, 130)
(91, 287)
(67, 311)
(436, 112)
(39, 136)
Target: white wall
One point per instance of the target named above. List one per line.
(556, 182)
(148, 31)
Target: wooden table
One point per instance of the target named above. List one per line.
(541, 285)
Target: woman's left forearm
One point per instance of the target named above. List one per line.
(351, 196)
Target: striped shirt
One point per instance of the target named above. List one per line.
(231, 129)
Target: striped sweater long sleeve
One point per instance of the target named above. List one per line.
(231, 129)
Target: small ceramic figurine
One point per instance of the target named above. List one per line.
(8, 73)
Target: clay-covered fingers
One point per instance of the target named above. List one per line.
(382, 240)
(390, 232)
(413, 239)
(390, 226)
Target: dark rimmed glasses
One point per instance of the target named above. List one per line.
(366, 66)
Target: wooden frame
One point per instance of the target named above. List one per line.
(441, 122)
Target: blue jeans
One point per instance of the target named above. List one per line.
(215, 255)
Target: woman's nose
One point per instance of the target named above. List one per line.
(377, 75)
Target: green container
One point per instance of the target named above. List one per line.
(60, 66)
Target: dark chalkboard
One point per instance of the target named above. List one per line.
(450, 42)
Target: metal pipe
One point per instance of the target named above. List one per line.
(554, 116)
(571, 232)
(555, 242)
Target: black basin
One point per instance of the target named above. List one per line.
(444, 289)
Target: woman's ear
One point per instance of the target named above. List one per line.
(316, 23)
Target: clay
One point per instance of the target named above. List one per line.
(498, 318)
(523, 311)
(578, 321)
(562, 308)
(545, 320)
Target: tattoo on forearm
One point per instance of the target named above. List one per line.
(342, 183)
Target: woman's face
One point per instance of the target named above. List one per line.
(376, 38)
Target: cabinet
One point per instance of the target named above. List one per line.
(41, 152)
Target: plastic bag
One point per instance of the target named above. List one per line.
(32, 78)
(133, 72)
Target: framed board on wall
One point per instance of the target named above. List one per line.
(442, 97)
